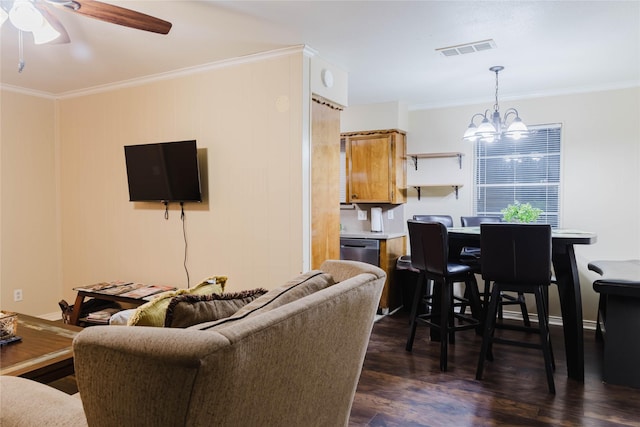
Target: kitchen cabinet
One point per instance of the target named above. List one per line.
(382, 250)
(376, 166)
(390, 251)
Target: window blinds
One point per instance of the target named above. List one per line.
(526, 171)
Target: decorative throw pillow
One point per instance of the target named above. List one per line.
(187, 309)
(210, 285)
(297, 288)
(154, 312)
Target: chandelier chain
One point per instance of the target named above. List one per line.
(496, 106)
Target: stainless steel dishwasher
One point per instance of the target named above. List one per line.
(365, 250)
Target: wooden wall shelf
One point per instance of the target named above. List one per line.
(415, 157)
(419, 187)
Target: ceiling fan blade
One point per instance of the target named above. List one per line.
(55, 23)
(121, 16)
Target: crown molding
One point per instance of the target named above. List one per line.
(305, 50)
(186, 71)
(546, 94)
(30, 92)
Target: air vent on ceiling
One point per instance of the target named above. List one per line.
(462, 49)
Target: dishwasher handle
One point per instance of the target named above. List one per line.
(350, 245)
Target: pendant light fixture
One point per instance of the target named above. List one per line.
(26, 17)
(493, 127)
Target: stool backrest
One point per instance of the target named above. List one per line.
(429, 246)
(474, 221)
(516, 253)
(415, 243)
(447, 220)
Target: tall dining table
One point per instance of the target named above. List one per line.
(567, 280)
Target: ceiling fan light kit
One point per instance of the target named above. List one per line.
(24, 16)
(493, 127)
(34, 17)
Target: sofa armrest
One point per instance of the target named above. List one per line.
(29, 403)
(144, 371)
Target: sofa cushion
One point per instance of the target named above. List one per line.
(154, 312)
(210, 285)
(297, 288)
(187, 309)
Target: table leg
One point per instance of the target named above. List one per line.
(436, 310)
(566, 271)
(77, 308)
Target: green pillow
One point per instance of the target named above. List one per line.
(211, 285)
(154, 312)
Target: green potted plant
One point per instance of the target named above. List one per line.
(520, 212)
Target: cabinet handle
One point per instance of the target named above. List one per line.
(354, 196)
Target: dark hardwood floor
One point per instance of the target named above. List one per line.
(398, 388)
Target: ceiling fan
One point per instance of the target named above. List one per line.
(35, 17)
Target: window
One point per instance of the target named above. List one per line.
(526, 171)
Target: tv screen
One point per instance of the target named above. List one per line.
(166, 172)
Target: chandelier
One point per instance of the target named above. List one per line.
(493, 127)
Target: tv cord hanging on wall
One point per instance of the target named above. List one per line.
(184, 235)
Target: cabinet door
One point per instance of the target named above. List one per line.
(390, 251)
(399, 171)
(325, 184)
(370, 168)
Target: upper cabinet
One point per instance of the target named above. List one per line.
(376, 166)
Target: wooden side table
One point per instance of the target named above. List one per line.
(113, 294)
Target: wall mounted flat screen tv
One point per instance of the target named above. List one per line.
(166, 172)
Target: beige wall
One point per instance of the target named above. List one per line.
(384, 115)
(601, 164)
(248, 121)
(29, 231)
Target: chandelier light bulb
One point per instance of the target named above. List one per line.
(517, 126)
(470, 134)
(486, 127)
(489, 138)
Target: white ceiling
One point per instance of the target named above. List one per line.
(388, 47)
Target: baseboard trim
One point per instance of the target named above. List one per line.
(553, 320)
(383, 315)
(517, 315)
(51, 316)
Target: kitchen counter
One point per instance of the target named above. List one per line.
(370, 235)
(381, 249)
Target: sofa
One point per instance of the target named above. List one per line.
(275, 362)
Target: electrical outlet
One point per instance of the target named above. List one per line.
(390, 214)
(17, 295)
(362, 215)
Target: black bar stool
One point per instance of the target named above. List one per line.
(517, 258)
(429, 254)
